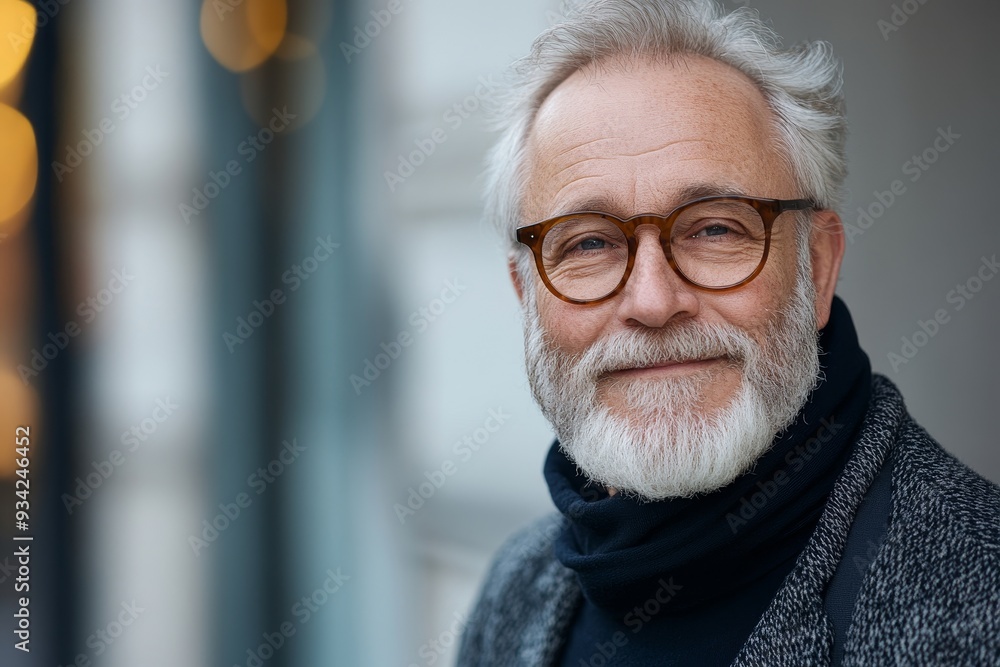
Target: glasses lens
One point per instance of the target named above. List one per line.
(585, 256)
(718, 243)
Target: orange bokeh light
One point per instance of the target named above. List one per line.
(18, 23)
(242, 34)
(19, 166)
(18, 408)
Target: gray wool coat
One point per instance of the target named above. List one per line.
(930, 595)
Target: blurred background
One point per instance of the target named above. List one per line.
(268, 353)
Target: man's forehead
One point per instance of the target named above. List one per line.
(614, 94)
(685, 125)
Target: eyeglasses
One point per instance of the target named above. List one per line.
(715, 243)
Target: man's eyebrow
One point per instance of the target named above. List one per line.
(699, 190)
(605, 204)
(617, 206)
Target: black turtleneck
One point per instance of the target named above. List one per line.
(684, 581)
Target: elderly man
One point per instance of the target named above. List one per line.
(733, 487)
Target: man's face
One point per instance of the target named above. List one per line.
(670, 366)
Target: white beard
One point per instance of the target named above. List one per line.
(666, 445)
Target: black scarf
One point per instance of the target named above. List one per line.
(716, 544)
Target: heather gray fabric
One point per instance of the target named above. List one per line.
(931, 595)
(867, 533)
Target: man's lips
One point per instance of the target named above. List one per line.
(668, 367)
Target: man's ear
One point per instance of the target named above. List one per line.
(515, 277)
(826, 247)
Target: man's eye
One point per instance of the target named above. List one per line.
(592, 244)
(713, 230)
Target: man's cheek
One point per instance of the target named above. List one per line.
(753, 306)
(573, 328)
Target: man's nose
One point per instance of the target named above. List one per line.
(654, 293)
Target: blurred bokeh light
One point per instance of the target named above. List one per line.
(18, 168)
(241, 36)
(18, 407)
(299, 68)
(18, 24)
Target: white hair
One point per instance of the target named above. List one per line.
(802, 86)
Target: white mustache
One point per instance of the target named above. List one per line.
(680, 343)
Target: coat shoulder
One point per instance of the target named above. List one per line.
(944, 493)
(933, 590)
(930, 486)
(526, 599)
